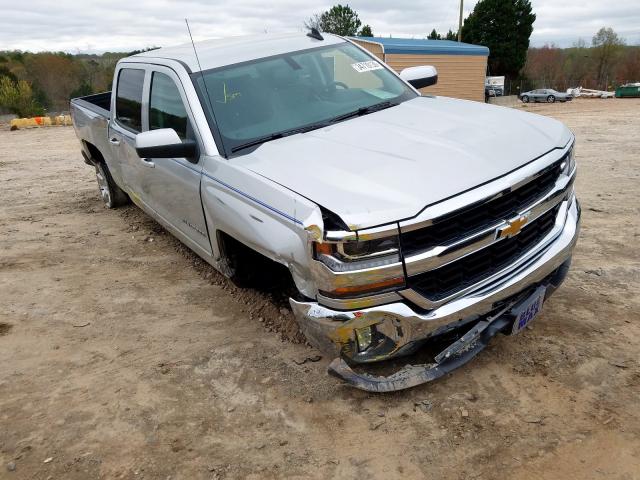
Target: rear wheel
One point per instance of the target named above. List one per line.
(525, 99)
(551, 99)
(112, 195)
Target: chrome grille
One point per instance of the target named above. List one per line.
(453, 277)
(458, 252)
(468, 220)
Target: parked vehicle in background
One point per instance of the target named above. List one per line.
(629, 90)
(545, 95)
(401, 219)
(493, 87)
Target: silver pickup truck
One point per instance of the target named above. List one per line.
(405, 220)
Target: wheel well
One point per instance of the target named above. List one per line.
(251, 268)
(94, 153)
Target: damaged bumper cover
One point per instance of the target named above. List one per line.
(398, 329)
(462, 351)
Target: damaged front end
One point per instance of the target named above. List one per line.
(404, 360)
(366, 337)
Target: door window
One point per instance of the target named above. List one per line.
(129, 98)
(166, 109)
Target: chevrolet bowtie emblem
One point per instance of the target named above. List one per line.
(512, 227)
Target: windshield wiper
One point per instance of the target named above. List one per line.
(257, 141)
(363, 111)
(277, 135)
(314, 126)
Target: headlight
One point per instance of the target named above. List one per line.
(356, 269)
(569, 163)
(349, 256)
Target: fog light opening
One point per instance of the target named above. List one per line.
(364, 336)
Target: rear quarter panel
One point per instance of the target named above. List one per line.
(91, 124)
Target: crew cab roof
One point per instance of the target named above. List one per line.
(231, 50)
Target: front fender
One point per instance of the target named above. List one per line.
(261, 214)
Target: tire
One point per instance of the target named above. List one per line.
(525, 99)
(112, 195)
(237, 261)
(551, 99)
(247, 268)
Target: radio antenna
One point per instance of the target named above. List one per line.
(204, 84)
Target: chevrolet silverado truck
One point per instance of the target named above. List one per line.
(405, 220)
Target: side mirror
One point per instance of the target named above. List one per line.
(420, 77)
(164, 143)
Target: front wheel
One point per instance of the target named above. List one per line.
(551, 99)
(247, 268)
(525, 99)
(112, 195)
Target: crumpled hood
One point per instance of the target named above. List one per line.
(389, 165)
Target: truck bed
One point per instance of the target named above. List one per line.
(90, 116)
(98, 102)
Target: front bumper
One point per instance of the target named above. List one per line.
(400, 329)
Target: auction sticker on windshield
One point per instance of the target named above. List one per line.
(361, 67)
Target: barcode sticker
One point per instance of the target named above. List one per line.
(366, 66)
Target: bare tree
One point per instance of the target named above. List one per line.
(629, 67)
(606, 46)
(314, 22)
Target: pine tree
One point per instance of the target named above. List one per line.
(504, 26)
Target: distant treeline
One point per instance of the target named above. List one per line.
(604, 65)
(35, 83)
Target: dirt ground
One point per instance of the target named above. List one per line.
(123, 356)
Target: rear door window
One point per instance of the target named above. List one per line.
(129, 98)
(166, 109)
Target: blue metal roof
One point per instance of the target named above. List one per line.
(419, 46)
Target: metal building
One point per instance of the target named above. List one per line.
(461, 67)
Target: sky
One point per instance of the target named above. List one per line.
(96, 26)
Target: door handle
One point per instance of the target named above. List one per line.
(114, 141)
(147, 162)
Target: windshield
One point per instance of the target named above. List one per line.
(258, 100)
